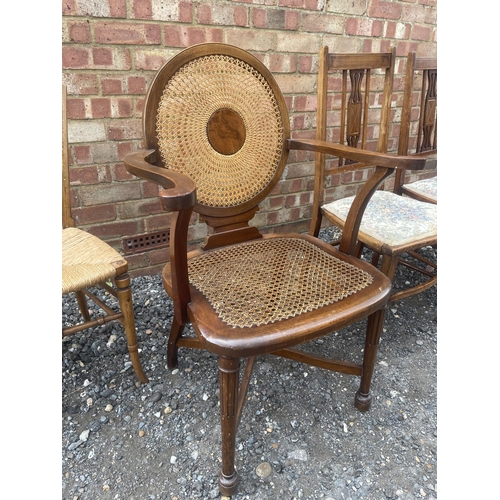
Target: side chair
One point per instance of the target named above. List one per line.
(217, 138)
(393, 226)
(421, 74)
(89, 262)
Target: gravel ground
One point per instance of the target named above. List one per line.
(300, 436)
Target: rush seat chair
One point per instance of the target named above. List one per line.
(89, 262)
(393, 226)
(216, 135)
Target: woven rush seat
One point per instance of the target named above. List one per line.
(85, 259)
(392, 220)
(425, 187)
(272, 279)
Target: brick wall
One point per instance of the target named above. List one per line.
(112, 48)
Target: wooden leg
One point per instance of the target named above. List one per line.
(124, 295)
(363, 397)
(229, 381)
(175, 333)
(82, 305)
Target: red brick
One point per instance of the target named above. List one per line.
(421, 33)
(150, 189)
(69, 8)
(385, 10)
(111, 86)
(101, 107)
(124, 148)
(79, 32)
(102, 57)
(364, 27)
(82, 155)
(136, 85)
(76, 109)
(118, 8)
(202, 35)
(125, 130)
(127, 33)
(114, 229)
(281, 63)
(299, 4)
(122, 107)
(305, 103)
(159, 256)
(142, 9)
(185, 12)
(291, 20)
(140, 208)
(306, 65)
(75, 57)
(158, 222)
(203, 14)
(120, 173)
(87, 175)
(259, 18)
(93, 215)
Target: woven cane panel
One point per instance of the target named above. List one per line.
(197, 90)
(264, 281)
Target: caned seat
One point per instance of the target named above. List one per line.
(89, 262)
(393, 226)
(216, 130)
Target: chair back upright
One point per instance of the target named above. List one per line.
(420, 88)
(67, 219)
(363, 84)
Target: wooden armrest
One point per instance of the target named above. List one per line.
(180, 190)
(179, 196)
(369, 158)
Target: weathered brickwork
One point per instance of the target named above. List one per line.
(111, 50)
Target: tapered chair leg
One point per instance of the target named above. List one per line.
(82, 305)
(229, 381)
(374, 325)
(175, 332)
(124, 295)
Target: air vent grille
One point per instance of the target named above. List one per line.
(145, 242)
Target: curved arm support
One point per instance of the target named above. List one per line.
(370, 158)
(179, 197)
(350, 230)
(180, 190)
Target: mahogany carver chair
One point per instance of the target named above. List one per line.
(421, 75)
(394, 227)
(89, 262)
(216, 135)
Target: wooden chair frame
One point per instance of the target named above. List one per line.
(353, 128)
(426, 137)
(118, 266)
(231, 229)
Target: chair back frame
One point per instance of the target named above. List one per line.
(426, 135)
(67, 219)
(355, 101)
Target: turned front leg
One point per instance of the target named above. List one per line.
(363, 397)
(229, 381)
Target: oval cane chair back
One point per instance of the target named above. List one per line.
(229, 139)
